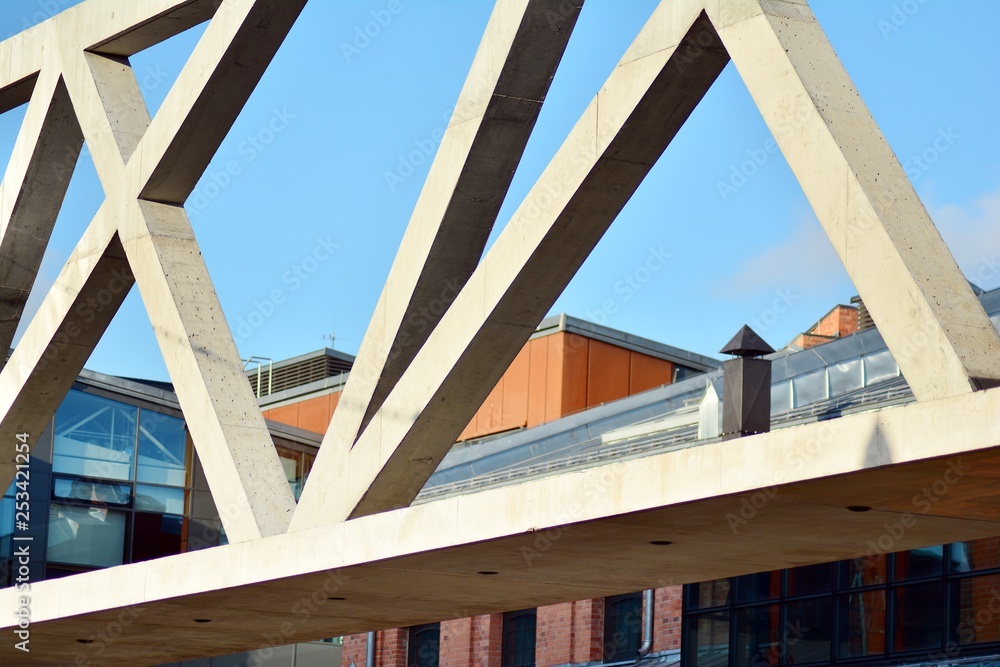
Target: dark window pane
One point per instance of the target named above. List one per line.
(162, 499)
(708, 594)
(89, 491)
(757, 636)
(917, 620)
(95, 437)
(863, 571)
(761, 586)
(156, 535)
(918, 563)
(519, 638)
(975, 555)
(976, 605)
(162, 449)
(86, 535)
(808, 630)
(622, 627)
(810, 579)
(423, 649)
(862, 624)
(707, 643)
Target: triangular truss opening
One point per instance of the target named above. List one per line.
(414, 387)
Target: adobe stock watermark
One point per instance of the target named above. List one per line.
(783, 301)
(215, 181)
(631, 283)
(900, 15)
(293, 279)
(364, 34)
(46, 10)
(740, 174)
(923, 502)
(751, 504)
(424, 148)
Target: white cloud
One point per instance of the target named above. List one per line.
(973, 234)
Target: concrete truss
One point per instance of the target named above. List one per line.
(416, 383)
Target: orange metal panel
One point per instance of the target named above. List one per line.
(334, 399)
(287, 414)
(555, 345)
(648, 372)
(515, 391)
(608, 373)
(488, 419)
(314, 414)
(576, 359)
(537, 380)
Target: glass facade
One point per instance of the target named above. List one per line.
(922, 605)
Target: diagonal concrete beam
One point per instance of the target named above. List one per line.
(32, 192)
(226, 425)
(109, 26)
(211, 90)
(620, 136)
(922, 304)
(61, 336)
(458, 206)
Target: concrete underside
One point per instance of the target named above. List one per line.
(422, 563)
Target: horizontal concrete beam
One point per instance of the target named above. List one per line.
(570, 536)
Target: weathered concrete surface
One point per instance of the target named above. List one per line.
(928, 478)
(457, 208)
(139, 159)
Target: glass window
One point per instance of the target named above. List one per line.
(975, 555)
(809, 388)
(162, 499)
(975, 602)
(757, 636)
(810, 579)
(760, 586)
(423, 647)
(918, 563)
(863, 571)
(86, 535)
(845, 377)
(156, 535)
(707, 643)
(862, 624)
(622, 627)
(781, 397)
(808, 631)
(91, 491)
(162, 449)
(708, 594)
(518, 648)
(914, 628)
(291, 461)
(94, 437)
(879, 366)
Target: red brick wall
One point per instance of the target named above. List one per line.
(472, 642)
(355, 647)
(571, 632)
(568, 633)
(667, 618)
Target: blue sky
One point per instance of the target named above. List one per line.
(327, 144)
